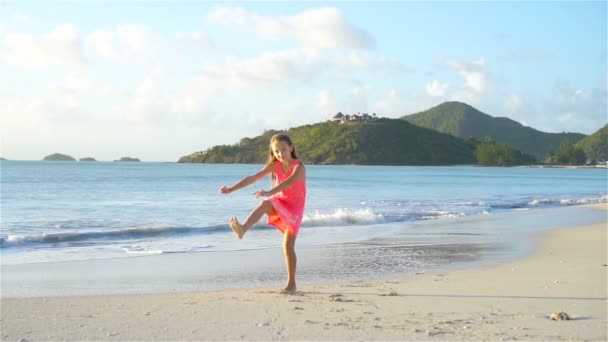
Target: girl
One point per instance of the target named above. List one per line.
(285, 205)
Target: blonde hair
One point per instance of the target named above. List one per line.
(275, 139)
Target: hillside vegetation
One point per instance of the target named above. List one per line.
(595, 146)
(461, 120)
(378, 142)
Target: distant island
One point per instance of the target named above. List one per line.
(87, 159)
(2, 158)
(128, 159)
(58, 157)
(452, 133)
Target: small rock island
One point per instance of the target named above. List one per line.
(128, 159)
(58, 157)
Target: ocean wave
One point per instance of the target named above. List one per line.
(149, 250)
(390, 211)
(13, 240)
(440, 214)
(378, 213)
(522, 204)
(544, 201)
(568, 201)
(343, 217)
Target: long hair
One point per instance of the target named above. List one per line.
(275, 139)
(271, 158)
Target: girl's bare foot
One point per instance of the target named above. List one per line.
(289, 290)
(237, 228)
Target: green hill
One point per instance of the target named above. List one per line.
(596, 145)
(464, 121)
(377, 142)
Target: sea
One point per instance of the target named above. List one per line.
(360, 221)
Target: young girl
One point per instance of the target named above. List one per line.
(285, 205)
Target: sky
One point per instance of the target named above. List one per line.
(161, 79)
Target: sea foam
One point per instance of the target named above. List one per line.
(343, 217)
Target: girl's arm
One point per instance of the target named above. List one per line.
(298, 173)
(247, 180)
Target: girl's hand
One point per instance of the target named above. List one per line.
(225, 190)
(261, 193)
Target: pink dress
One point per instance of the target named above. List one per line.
(288, 204)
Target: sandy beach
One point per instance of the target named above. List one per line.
(566, 272)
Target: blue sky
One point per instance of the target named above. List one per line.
(161, 79)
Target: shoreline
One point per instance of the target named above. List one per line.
(402, 250)
(566, 270)
(557, 166)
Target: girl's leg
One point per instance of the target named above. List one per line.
(240, 229)
(289, 242)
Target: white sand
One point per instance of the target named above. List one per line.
(509, 301)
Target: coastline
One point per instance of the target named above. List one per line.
(352, 253)
(558, 166)
(566, 271)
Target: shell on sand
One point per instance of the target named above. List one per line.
(559, 316)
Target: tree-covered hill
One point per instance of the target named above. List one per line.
(377, 142)
(464, 121)
(596, 145)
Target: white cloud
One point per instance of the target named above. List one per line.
(268, 69)
(148, 104)
(475, 73)
(77, 81)
(125, 43)
(193, 98)
(102, 41)
(230, 16)
(391, 103)
(475, 81)
(196, 39)
(361, 90)
(297, 66)
(437, 88)
(53, 126)
(134, 37)
(518, 107)
(362, 60)
(357, 59)
(62, 46)
(325, 100)
(154, 103)
(397, 103)
(20, 16)
(584, 110)
(115, 90)
(324, 27)
(15, 112)
(71, 88)
(565, 109)
(524, 56)
(514, 104)
(360, 98)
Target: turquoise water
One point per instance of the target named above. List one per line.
(60, 211)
